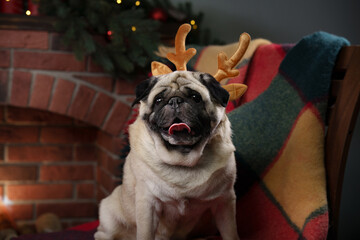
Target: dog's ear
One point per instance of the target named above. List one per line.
(143, 89)
(216, 91)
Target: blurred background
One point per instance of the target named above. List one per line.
(279, 20)
(219, 22)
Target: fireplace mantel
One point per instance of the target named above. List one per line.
(23, 22)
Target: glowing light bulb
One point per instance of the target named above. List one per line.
(28, 12)
(7, 0)
(192, 22)
(6, 201)
(137, 3)
(133, 28)
(118, 1)
(109, 33)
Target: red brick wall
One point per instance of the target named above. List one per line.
(61, 123)
(36, 72)
(49, 163)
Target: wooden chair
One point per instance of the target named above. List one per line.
(343, 110)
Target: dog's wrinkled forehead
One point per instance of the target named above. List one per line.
(178, 81)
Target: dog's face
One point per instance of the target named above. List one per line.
(181, 111)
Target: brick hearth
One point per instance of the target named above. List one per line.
(61, 123)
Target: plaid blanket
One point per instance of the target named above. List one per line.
(279, 138)
(278, 131)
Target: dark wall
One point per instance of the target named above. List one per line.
(280, 21)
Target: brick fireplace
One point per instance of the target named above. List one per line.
(61, 123)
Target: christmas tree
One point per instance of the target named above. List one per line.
(120, 35)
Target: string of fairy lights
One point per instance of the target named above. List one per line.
(133, 28)
(129, 29)
(17, 7)
(137, 3)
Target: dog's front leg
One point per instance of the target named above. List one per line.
(225, 217)
(146, 218)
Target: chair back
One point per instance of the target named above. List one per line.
(343, 108)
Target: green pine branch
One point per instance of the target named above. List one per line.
(86, 27)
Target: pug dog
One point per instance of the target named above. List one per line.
(181, 163)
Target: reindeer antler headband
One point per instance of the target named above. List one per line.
(225, 66)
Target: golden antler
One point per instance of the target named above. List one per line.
(181, 55)
(225, 68)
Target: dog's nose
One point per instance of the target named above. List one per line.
(175, 102)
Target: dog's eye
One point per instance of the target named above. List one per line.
(158, 100)
(196, 97)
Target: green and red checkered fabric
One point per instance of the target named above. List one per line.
(278, 131)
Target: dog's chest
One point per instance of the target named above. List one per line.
(177, 217)
(178, 209)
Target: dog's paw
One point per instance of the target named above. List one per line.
(99, 235)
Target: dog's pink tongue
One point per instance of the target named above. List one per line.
(179, 127)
